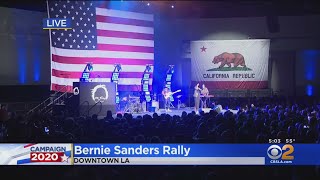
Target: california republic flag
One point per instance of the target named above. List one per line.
(230, 64)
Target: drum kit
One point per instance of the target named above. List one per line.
(132, 104)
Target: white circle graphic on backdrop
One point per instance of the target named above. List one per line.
(99, 97)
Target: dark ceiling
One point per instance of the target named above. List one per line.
(203, 9)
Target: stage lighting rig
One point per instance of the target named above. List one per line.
(145, 82)
(115, 79)
(86, 73)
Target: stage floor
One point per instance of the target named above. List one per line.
(174, 111)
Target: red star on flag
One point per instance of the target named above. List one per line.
(203, 49)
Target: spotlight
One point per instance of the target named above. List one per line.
(117, 67)
(148, 68)
(170, 69)
(148, 4)
(90, 67)
(172, 6)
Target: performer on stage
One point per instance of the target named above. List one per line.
(196, 96)
(205, 93)
(166, 95)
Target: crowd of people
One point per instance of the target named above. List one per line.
(256, 121)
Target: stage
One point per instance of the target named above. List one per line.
(174, 111)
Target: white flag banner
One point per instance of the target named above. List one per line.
(230, 64)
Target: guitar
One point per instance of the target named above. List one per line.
(167, 95)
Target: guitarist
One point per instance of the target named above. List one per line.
(166, 92)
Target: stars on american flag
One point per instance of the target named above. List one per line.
(83, 34)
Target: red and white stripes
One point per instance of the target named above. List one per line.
(126, 38)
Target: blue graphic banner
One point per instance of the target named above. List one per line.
(274, 154)
(56, 23)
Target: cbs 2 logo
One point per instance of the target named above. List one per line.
(276, 152)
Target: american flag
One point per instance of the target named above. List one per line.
(103, 37)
